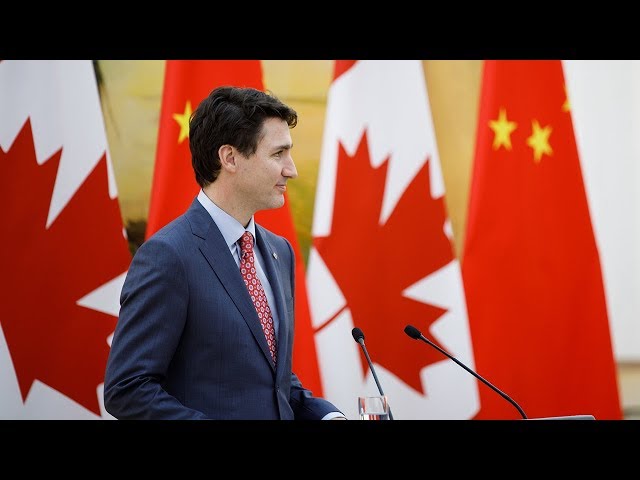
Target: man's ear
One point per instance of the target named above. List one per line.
(227, 156)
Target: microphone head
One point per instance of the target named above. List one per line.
(412, 331)
(358, 336)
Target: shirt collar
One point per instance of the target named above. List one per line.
(230, 228)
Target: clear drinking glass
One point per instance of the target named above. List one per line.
(374, 407)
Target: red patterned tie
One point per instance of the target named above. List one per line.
(251, 280)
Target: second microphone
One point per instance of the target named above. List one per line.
(358, 336)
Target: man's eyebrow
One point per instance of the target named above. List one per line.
(285, 146)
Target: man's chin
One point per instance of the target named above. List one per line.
(279, 202)
(276, 203)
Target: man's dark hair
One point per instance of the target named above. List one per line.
(230, 116)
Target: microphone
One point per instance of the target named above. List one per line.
(358, 336)
(414, 333)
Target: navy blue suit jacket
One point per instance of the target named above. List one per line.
(188, 343)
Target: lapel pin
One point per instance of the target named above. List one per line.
(275, 255)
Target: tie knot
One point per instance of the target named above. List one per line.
(246, 242)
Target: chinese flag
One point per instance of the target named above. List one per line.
(531, 267)
(382, 254)
(64, 256)
(187, 83)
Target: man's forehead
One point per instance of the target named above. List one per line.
(276, 134)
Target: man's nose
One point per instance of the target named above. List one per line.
(290, 170)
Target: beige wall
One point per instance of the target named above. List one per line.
(454, 92)
(131, 93)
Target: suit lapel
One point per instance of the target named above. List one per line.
(215, 250)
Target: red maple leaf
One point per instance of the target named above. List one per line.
(374, 263)
(45, 271)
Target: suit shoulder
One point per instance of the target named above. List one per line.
(194, 220)
(176, 227)
(176, 236)
(274, 238)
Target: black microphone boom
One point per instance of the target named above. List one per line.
(414, 333)
(358, 336)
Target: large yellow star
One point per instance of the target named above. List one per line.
(502, 129)
(539, 140)
(183, 121)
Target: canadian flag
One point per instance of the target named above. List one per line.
(64, 253)
(382, 254)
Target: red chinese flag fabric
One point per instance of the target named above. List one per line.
(187, 83)
(64, 254)
(531, 266)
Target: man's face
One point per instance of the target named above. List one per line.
(262, 176)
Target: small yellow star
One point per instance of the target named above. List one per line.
(566, 106)
(183, 121)
(502, 129)
(539, 141)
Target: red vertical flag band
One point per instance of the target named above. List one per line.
(187, 83)
(531, 268)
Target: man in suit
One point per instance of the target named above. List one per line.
(206, 325)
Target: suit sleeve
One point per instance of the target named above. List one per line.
(152, 316)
